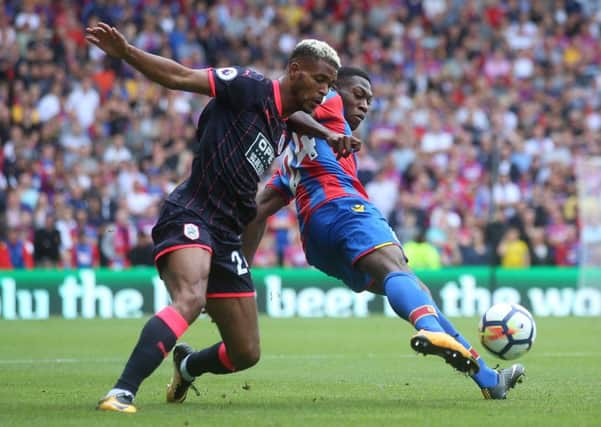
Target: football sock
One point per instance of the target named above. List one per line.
(213, 359)
(154, 344)
(410, 301)
(486, 377)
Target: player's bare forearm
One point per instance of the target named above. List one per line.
(303, 123)
(343, 145)
(268, 203)
(251, 237)
(167, 72)
(158, 69)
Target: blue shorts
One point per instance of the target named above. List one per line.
(342, 231)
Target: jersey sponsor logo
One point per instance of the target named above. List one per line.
(358, 208)
(260, 154)
(227, 73)
(191, 231)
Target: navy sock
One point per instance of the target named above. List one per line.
(410, 301)
(155, 342)
(486, 377)
(213, 359)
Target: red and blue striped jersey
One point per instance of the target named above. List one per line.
(310, 172)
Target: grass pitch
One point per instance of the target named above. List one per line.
(314, 372)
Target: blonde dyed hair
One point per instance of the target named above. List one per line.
(316, 49)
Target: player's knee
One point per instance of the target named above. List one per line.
(246, 357)
(190, 303)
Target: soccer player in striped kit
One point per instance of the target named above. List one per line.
(345, 236)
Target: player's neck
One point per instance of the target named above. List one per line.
(288, 105)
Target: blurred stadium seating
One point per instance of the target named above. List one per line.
(482, 109)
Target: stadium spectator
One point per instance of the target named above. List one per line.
(266, 255)
(541, 253)
(282, 225)
(501, 76)
(422, 255)
(513, 250)
(83, 102)
(20, 249)
(84, 252)
(5, 261)
(141, 253)
(474, 250)
(294, 254)
(46, 244)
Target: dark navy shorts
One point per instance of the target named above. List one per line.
(179, 228)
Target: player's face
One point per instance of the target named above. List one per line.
(356, 96)
(311, 81)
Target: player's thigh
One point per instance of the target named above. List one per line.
(185, 270)
(238, 325)
(367, 243)
(383, 261)
(182, 253)
(185, 273)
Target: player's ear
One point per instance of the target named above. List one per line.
(293, 69)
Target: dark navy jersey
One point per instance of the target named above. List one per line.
(239, 134)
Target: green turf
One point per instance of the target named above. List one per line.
(314, 372)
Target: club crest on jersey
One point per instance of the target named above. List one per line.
(191, 231)
(227, 73)
(358, 208)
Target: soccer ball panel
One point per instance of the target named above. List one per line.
(507, 330)
(515, 351)
(497, 312)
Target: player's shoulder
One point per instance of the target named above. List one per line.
(331, 111)
(241, 87)
(227, 74)
(332, 96)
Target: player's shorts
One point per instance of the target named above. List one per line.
(179, 228)
(340, 233)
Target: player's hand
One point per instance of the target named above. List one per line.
(108, 39)
(343, 145)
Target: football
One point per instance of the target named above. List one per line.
(507, 330)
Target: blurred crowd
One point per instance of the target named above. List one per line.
(482, 111)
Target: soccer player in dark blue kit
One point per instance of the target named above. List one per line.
(197, 244)
(345, 236)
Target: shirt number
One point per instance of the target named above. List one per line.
(301, 148)
(240, 261)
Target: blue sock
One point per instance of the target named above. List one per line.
(410, 301)
(485, 377)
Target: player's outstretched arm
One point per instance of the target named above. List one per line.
(343, 145)
(269, 201)
(157, 68)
